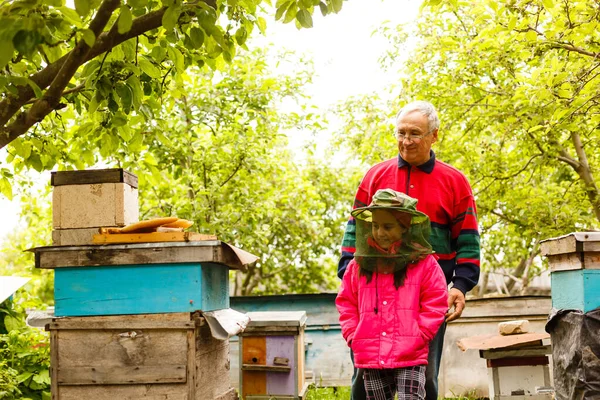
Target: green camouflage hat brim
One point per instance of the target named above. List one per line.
(365, 213)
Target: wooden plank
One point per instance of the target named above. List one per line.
(573, 261)
(277, 318)
(129, 289)
(282, 346)
(112, 375)
(212, 363)
(121, 325)
(126, 320)
(54, 388)
(152, 237)
(136, 254)
(112, 175)
(300, 375)
(522, 352)
(253, 351)
(517, 361)
(565, 244)
(487, 342)
(266, 368)
(270, 330)
(578, 289)
(163, 391)
(191, 362)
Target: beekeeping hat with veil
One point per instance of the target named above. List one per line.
(413, 245)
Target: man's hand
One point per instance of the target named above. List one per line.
(456, 299)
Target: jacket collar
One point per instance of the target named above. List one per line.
(426, 167)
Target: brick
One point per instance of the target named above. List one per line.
(513, 327)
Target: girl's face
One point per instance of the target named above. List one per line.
(386, 229)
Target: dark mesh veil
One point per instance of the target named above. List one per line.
(412, 247)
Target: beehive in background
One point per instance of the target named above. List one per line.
(272, 356)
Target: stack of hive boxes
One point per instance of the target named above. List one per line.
(130, 318)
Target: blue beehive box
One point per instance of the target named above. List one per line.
(575, 270)
(140, 278)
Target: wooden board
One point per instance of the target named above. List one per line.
(573, 242)
(578, 289)
(92, 176)
(487, 342)
(254, 352)
(152, 237)
(140, 289)
(136, 254)
(98, 358)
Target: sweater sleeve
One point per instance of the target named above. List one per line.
(465, 237)
(347, 302)
(433, 298)
(361, 199)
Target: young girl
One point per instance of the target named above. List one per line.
(393, 297)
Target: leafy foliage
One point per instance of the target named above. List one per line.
(24, 353)
(114, 59)
(516, 85)
(217, 155)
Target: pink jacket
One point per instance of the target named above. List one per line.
(407, 319)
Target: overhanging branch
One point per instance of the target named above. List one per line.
(104, 42)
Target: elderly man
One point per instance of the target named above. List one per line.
(445, 195)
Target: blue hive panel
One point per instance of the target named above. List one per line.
(140, 289)
(577, 289)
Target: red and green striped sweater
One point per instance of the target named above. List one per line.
(444, 194)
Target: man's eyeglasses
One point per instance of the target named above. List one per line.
(411, 138)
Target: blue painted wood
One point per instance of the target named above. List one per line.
(577, 289)
(140, 289)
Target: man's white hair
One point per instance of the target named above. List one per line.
(425, 108)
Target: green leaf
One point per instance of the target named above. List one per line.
(512, 23)
(197, 37)
(125, 97)
(280, 10)
(149, 69)
(280, 3)
(137, 3)
(305, 19)
(88, 37)
(70, 15)
(531, 36)
(290, 14)
(548, 4)
(324, 9)
(26, 41)
(337, 5)
(82, 7)
(125, 20)
(171, 17)
(6, 188)
(136, 89)
(241, 35)
(6, 52)
(176, 58)
(262, 25)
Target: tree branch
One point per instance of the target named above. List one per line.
(104, 42)
(74, 59)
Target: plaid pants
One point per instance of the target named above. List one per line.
(382, 384)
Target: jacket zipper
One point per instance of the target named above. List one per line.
(407, 180)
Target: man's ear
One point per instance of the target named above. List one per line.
(435, 136)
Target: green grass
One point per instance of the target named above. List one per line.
(343, 393)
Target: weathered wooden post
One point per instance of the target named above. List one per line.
(574, 324)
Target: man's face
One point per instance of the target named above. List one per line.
(413, 150)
